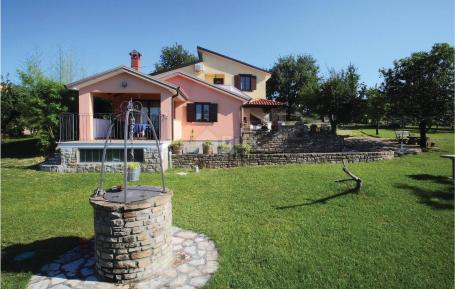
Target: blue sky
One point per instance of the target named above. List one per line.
(368, 34)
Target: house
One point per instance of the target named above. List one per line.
(213, 99)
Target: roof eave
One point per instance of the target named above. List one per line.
(199, 49)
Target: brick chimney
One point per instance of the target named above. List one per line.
(135, 59)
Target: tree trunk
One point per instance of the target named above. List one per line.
(377, 127)
(423, 134)
(333, 126)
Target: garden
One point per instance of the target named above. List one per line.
(288, 226)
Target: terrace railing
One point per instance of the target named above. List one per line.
(70, 125)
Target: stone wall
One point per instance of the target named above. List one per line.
(295, 139)
(69, 162)
(226, 161)
(133, 241)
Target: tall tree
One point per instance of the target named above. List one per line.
(294, 81)
(13, 104)
(44, 99)
(174, 56)
(377, 106)
(422, 87)
(340, 97)
(65, 68)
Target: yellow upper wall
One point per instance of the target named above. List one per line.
(214, 64)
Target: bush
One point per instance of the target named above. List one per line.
(207, 148)
(134, 165)
(207, 144)
(222, 147)
(176, 144)
(242, 149)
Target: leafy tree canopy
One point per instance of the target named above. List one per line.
(341, 97)
(421, 87)
(377, 106)
(294, 81)
(173, 57)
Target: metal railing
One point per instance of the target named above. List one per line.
(73, 126)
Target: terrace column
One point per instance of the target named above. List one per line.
(85, 116)
(166, 116)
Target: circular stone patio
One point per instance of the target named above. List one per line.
(196, 259)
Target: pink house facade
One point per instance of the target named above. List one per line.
(213, 99)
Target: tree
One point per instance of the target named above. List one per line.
(377, 106)
(173, 57)
(66, 69)
(44, 100)
(13, 105)
(294, 81)
(340, 97)
(421, 87)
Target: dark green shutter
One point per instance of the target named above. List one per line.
(213, 112)
(190, 112)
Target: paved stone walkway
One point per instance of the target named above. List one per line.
(196, 259)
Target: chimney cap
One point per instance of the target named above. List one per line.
(135, 52)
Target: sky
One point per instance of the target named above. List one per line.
(101, 33)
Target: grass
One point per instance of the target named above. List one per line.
(275, 227)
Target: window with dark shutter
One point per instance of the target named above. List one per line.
(204, 112)
(253, 82)
(237, 81)
(247, 82)
(214, 112)
(190, 113)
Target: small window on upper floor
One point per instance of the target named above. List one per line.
(218, 80)
(245, 82)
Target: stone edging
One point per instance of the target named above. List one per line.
(226, 161)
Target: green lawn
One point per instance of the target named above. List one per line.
(275, 227)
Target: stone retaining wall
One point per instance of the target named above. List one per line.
(293, 139)
(133, 241)
(69, 162)
(227, 161)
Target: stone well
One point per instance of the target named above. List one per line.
(133, 241)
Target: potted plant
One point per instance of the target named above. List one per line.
(242, 149)
(207, 148)
(134, 171)
(177, 147)
(223, 148)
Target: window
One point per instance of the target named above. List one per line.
(112, 155)
(218, 80)
(245, 82)
(202, 112)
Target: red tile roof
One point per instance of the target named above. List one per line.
(263, 102)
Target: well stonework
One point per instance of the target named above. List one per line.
(133, 241)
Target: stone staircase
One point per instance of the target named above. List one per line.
(293, 139)
(53, 163)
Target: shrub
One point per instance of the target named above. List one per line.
(176, 144)
(207, 144)
(242, 149)
(134, 165)
(222, 147)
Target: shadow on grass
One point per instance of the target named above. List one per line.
(20, 148)
(427, 177)
(439, 200)
(318, 201)
(44, 251)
